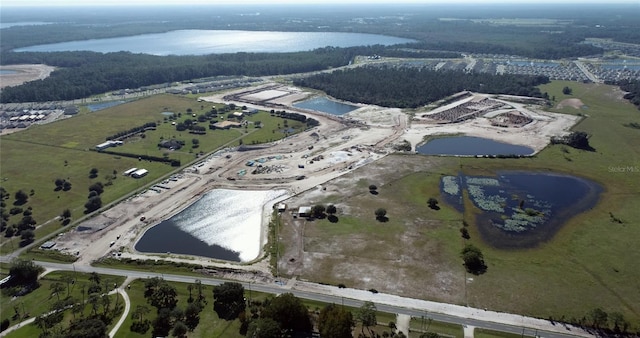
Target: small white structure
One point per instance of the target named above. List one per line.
(129, 171)
(304, 211)
(105, 145)
(139, 173)
(282, 207)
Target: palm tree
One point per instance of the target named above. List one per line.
(190, 288)
(56, 288)
(106, 303)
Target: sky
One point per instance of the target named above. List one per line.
(43, 3)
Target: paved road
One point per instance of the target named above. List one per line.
(560, 330)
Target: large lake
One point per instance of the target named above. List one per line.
(224, 224)
(200, 42)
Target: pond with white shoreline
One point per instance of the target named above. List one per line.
(224, 224)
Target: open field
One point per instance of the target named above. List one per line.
(33, 159)
(587, 264)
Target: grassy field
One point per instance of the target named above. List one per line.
(419, 325)
(34, 158)
(589, 263)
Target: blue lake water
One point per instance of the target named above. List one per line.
(621, 66)
(200, 42)
(470, 146)
(323, 104)
(7, 72)
(104, 105)
(521, 209)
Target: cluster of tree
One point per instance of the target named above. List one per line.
(464, 232)
(94, 202)
(93, 173)
(311, 122)
(411, 88)
(26, 225)
(606, 324)
(577, 139)
(124, 134)
(473, 260)
(172, 162)
(66, 216)
(94, 325)
(24, 273)
(319, 211)
(62, 184)
(170, 318)
(632, 87)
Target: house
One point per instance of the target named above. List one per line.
(225, 125)
(171, 144)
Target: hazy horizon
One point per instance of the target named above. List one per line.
(72, 3)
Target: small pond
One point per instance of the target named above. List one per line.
(104, 105)
(470, 146)
(323, 104)
(223, 224)
(521, 209)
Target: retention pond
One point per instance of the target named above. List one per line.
(470, 146)
(223, 224)
(323, 104)
(521, 209)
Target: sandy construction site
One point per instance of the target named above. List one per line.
(19, 74)
(301, 162)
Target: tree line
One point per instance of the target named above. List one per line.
(82, 74)
(407, 88)
(632, 87)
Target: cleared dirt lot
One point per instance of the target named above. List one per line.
(24, 73)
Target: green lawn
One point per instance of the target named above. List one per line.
(41, 299)
(485, 333)
(420, 325)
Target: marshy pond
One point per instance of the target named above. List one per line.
(521, 209)
(224, 224)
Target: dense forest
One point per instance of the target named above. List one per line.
(633, 91)
(83, 74)
(411, 88)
